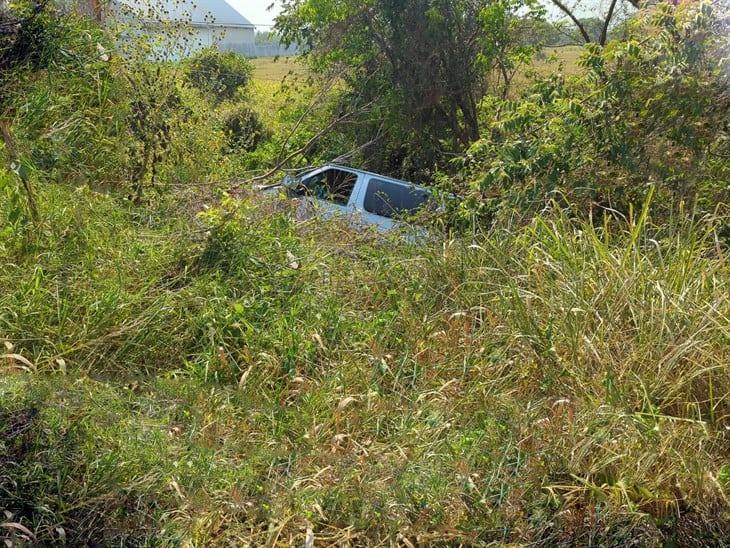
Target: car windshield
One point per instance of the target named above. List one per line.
(389, 199)
(332, 185)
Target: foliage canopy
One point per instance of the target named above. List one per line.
(651, 110)
(418, 68)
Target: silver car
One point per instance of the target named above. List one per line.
(366, 198)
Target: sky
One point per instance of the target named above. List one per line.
(256, 12)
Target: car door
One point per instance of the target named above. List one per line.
(384, 202)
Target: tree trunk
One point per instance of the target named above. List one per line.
(468, 109)
(609, 16)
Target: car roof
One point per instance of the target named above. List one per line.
(370, 173)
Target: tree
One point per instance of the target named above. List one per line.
(425, 64)
(539, 32)
(219, 74)
(161, 118)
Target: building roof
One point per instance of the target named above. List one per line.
(203, 12)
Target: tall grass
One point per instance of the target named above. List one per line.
(243, 377)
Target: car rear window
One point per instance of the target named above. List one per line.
(391, 200)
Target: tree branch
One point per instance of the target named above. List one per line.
(313, 103)
(282, 162)
(566, 10)
(609, 16)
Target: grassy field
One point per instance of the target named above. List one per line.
(276, 70)
(243, 378)
(552, 59)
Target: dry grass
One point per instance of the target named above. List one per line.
(552, 58)
(561, 60)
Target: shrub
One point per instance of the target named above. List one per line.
(174, 135)
(244, 129)
(217, 74)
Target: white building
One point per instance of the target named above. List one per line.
(201, 24)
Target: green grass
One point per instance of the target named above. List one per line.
(246, 378)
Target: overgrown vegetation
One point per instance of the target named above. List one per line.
(549, 382)
(185, 362)
(642, 112)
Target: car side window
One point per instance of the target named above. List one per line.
(332, 185)
(391, 200)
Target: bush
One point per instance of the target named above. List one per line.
(217, 74)
(174, 138)
(244, 129)
(84, 116)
